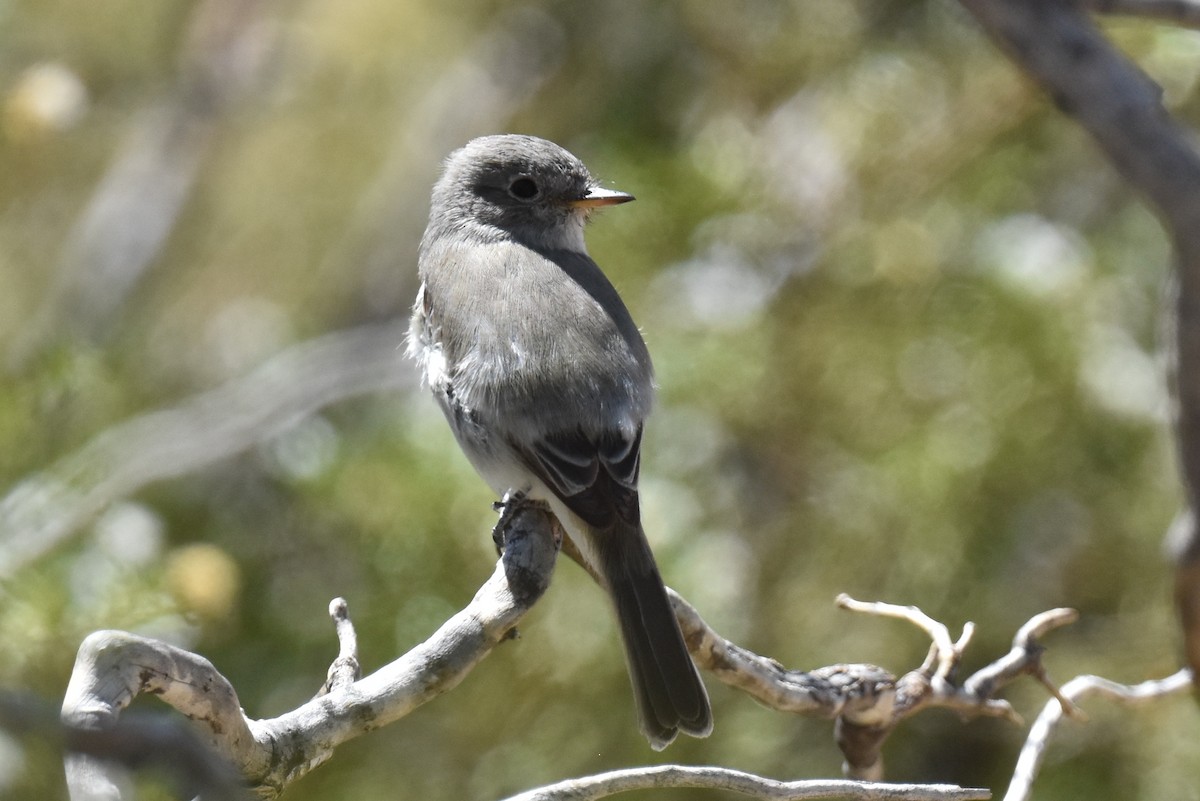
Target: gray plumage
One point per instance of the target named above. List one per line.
(546, 382)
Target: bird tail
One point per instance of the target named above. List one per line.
(667, 687)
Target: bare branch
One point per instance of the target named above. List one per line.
(164, 746)
(945, 653)
(1092, 82)
(346, 669)
(863, 692)
(1030, 761)
(659, 776)
(1024, 659)
(114, 667)
(867, 701)
(1059, 47)
(931, 684)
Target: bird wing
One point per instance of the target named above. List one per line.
(595, 476)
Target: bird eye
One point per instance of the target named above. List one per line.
(523, 189)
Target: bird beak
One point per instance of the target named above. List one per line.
(597, 197)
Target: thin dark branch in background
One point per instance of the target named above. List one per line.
(138, 202)
(164, 746)
(1056, 44)
(45, 509)
(1181, 12)
(498, 74)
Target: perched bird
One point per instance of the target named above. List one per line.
(546, 382)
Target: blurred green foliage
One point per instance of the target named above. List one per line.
(904, 319)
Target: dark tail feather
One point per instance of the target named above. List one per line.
(670, 695)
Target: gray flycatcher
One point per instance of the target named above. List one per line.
(546, 382)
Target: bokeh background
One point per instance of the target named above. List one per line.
(905, 321)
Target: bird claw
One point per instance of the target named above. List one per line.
(508, 506)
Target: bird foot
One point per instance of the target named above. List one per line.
(508, 506)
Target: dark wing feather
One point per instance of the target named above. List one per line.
(595, 477)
